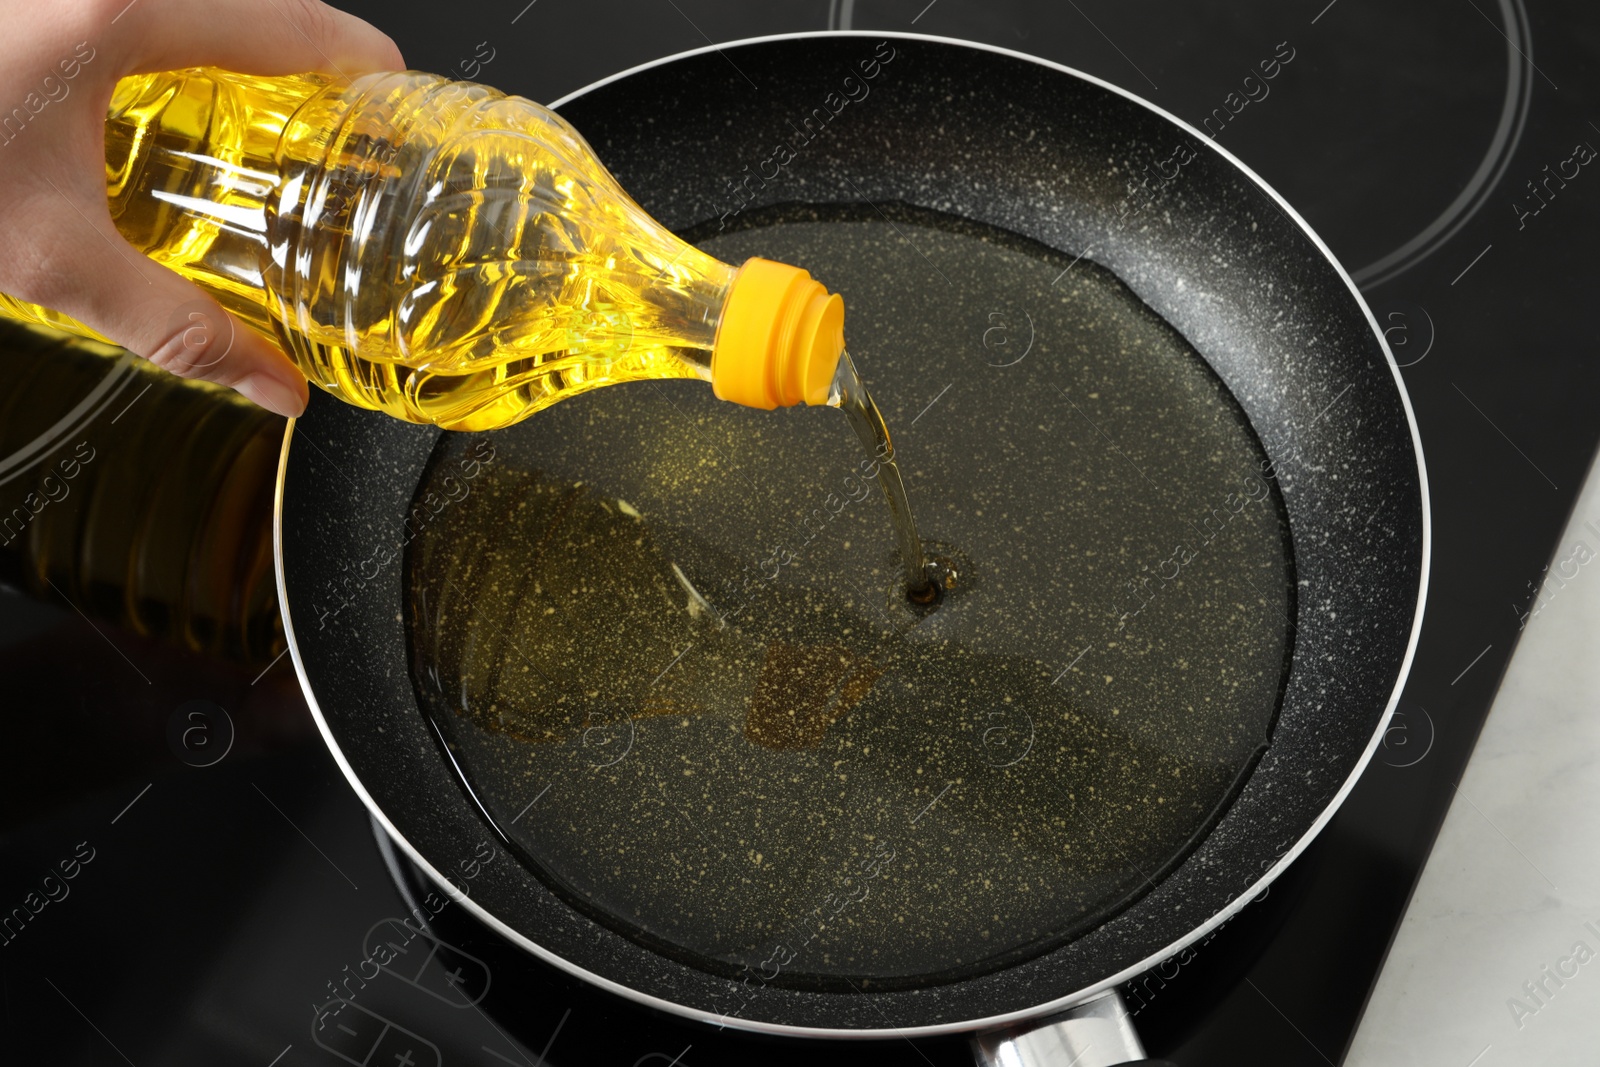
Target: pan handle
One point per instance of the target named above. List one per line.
(1096, 1033)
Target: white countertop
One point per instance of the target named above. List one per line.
(1512, 886)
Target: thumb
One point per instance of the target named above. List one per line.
(109, 286)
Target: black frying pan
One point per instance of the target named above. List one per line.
(1043, 152)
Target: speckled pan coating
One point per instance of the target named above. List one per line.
(1013, 143)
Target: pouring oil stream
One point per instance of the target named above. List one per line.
(849, 394)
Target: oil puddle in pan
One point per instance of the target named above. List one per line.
(667, 644)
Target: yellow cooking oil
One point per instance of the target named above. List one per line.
(437, 250)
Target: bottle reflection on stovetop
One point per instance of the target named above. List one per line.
(136, 497)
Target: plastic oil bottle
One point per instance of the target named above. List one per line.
(445, 253)
(438, 250)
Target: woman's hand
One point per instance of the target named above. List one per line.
(61, 249)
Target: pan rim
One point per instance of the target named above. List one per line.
(986, 1022)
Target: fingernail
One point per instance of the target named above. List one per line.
(272, 393)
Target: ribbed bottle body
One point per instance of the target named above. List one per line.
(432, 249)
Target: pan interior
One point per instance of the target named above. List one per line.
(661, 638)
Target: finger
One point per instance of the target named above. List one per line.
(252, 37)
(108, 286)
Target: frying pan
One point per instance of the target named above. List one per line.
(1042, 151)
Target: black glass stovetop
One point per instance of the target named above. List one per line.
(224, 903)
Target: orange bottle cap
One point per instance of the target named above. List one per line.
(780, 338)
